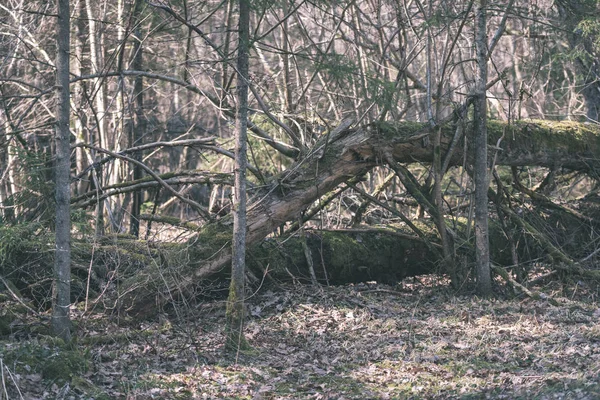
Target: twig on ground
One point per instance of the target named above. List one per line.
(511, 281)
(16, 296)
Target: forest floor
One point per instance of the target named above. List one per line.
(416, 340)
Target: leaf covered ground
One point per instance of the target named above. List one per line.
(416, 340)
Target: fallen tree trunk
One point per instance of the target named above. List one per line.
(343, 256)
(342, 154)
(385, 254)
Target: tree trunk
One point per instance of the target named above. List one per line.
(235, 303)
(482, 244)
(99, 98)
(139, 125)
(61, 325)
(344, 154)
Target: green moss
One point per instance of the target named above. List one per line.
(50, 357)
(25, 245)
(342, 248)
(5, 321)
(427, 227)
(124, 252)
(210, 240)
(235, 316)
(22, 243)
(530, 135)
(269, 252)
(176, 222)
(373, 256)
(344, 257)
(63, 365)
(391, 131)
(542, 134)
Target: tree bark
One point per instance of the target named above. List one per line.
(482, 244)
(61, 324)
(139, 125)
(99, 98)
(235, 303)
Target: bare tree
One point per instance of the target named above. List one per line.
(61, 324)
(139, 126)
(482, 245)
(235, 302)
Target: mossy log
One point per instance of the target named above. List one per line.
(342, 154)
(551, 144)
(27, 250)
(384, 254)
(344, 256)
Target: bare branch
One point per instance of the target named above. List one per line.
(198, 207)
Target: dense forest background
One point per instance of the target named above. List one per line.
(386, 139)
